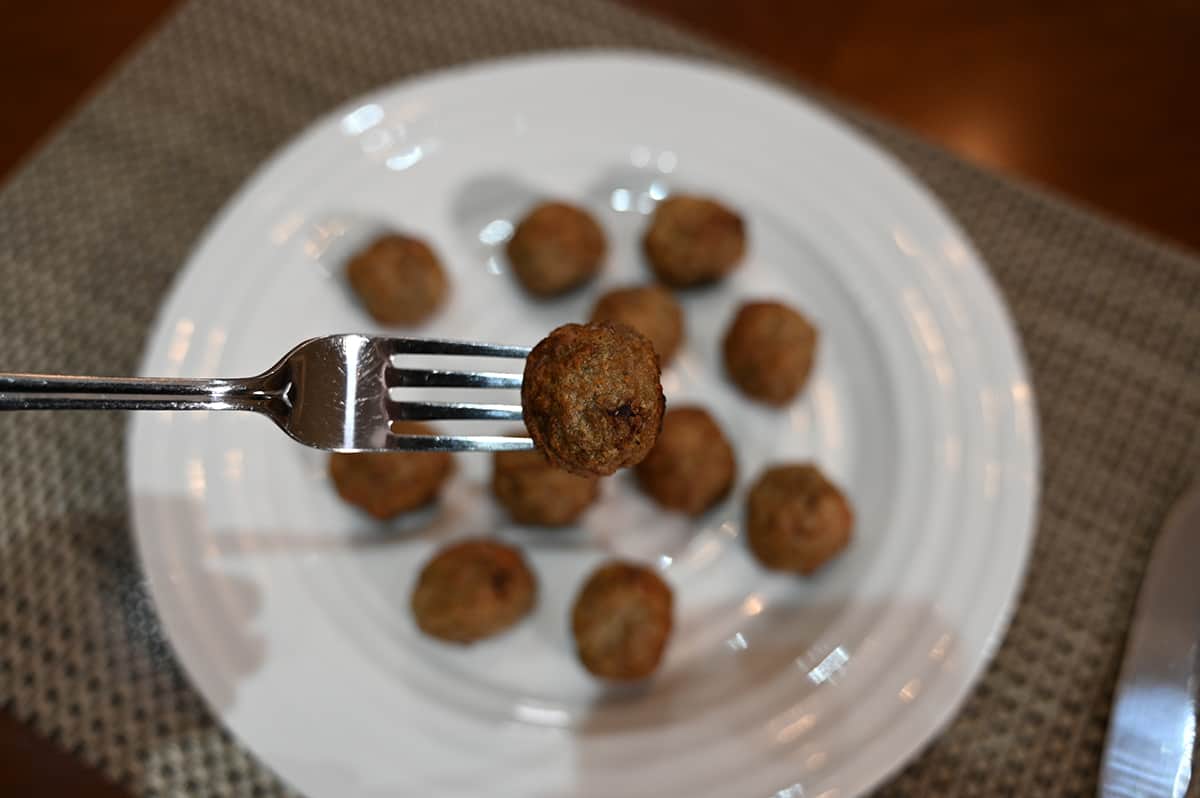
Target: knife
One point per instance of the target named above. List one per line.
(1152, 731)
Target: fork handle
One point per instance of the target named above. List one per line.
(64, 392)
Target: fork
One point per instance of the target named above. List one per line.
(331, 393)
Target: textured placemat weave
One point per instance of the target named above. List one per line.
(94, 227)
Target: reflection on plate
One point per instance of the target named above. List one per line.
(288, 609)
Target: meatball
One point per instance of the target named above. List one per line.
(472, 590)
(386, 484)
(535, 492)
(591, 397)
(796, 519)
(769, 351)
(693, 240)
(621, 621)
(649, 309)
(555, 248)
(399, 279)
(691, 466)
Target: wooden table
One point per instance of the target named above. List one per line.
(1094, 99)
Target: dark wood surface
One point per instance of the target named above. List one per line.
(1097, 100)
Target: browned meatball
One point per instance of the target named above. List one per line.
(555, 248)
(693, 240)
(621, 621)
(399, 279)
(649, 309)
(591, 397)
(472, 590)
(386, 484)
(797, 520)
(691, 466)
(535, 492)
(769, 351)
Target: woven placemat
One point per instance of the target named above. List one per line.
(93, 229)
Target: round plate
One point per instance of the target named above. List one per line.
(289, 609)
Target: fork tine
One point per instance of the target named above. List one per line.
(429, 411)
(433, 346)
(458, 443)
(433, 378)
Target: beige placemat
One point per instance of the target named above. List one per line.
(94, 227)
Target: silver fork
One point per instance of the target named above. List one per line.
(330, 393)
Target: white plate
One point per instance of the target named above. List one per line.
(288, 609)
